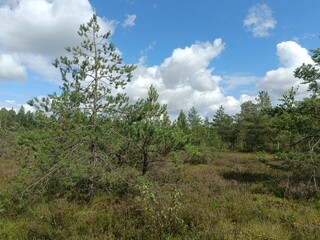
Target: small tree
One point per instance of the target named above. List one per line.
(247, 130)
(299, 121)
(182, 122)
(263, 101)
(194, 119)
(151, 133)
(91, 73)
(195, 126)
(223, 123)
(253, 125)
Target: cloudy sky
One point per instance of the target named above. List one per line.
(203, 53)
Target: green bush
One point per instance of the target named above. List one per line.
(195, 155)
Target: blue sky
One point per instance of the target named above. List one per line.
(203, 53)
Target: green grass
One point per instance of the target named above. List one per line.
(234, 196)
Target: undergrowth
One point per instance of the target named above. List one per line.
(233, 196)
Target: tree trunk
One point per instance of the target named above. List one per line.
(94, 157)
(145, 163)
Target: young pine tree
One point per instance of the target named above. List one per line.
(151, 133)
(81, 114)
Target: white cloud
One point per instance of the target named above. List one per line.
(36, 31)
(235, 81)
(259, 20)
(291, 54)
(12, 104)
(130, 21)
(9, 2)
(184, 80)
(11, 68)
(43, 26)
(41, 66)
(190, 66)
(276, 82)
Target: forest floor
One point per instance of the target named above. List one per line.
(233, 196)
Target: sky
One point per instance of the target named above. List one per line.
(197, 53)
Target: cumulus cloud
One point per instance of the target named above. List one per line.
(190, 66)
(185, 79)
(11, 68)
(276, 82)
(43, 26)
(291, 54)
(130, 21)
(259, 21)
(36, 31)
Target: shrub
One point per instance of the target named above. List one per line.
(195, 155)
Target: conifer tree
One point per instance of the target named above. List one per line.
(310, 73)
(151, 132)
(182, 122)
(91, 73)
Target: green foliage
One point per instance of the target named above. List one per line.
(299, 139)
(223, 123)
(161, 216)
(150, 132)
(310, 73)
(194, 126)
(300, 120)
(194, 119)
(25, 119)
(254, 131)
(233, 197)
(7, 133)
(182, 122)
(88, 165)
(194, 155)
(202, 134)
(75, 146)
(263, 101)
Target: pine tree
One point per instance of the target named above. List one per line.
(310, 73)
(182, 122)
(91, 74)
(151, 133)
(223, 123)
